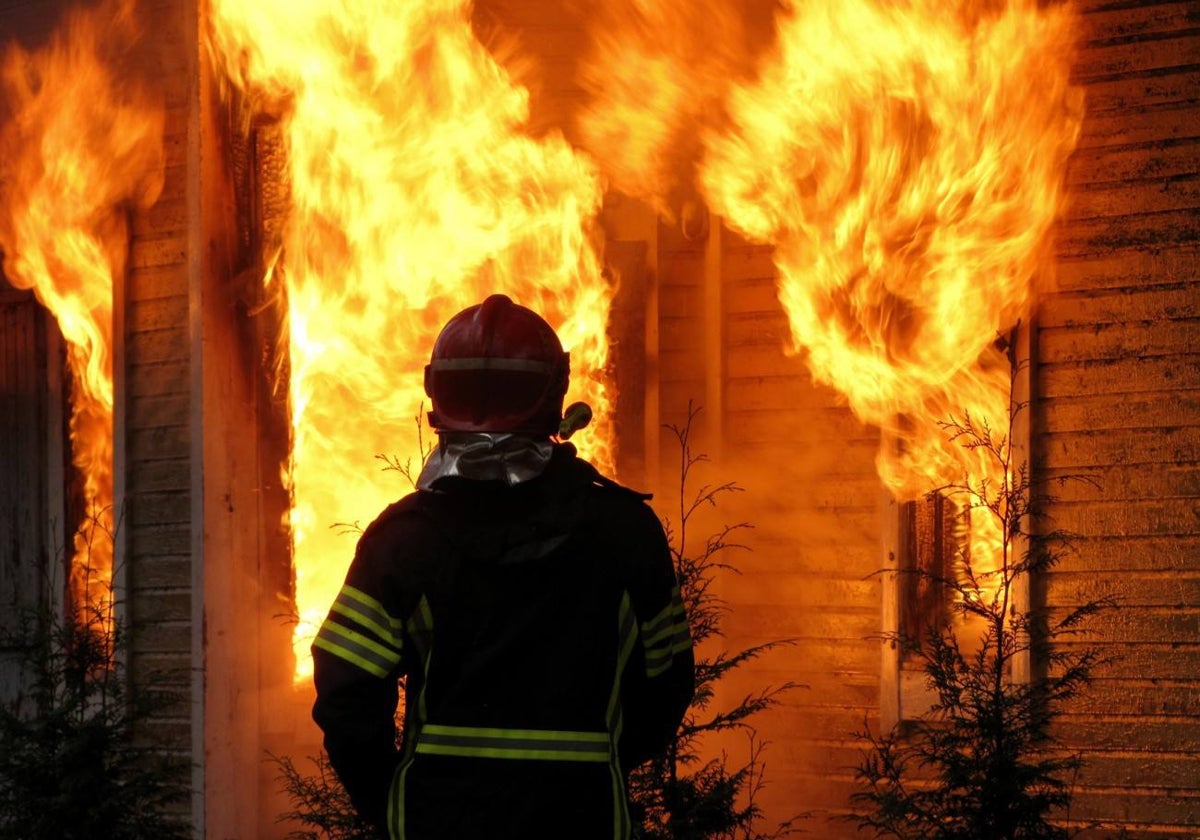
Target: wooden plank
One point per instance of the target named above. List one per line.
(148, 412)
(1130, 199)
(797, 588)
(1147, 589)
(152, 606)
(165, 571)
(1141, 625)
(1126, 22)
(1119, 376)
(800, 426)
(1163, 302)
(764, 360)
(1154, 123)
(167, 474)
(1125, 94)
(1157, 159)
(1148, 518)
(170, 251)
(1179, 808)
(159, 540)
(1162, 733)
(1109, 553)
(1122, 483)
(1105, 447)
(1085, 412)
(1150, 232)
(1143, 769)
(160, 313)
(1122, 340)
(169, 508)
(775, 622)
(750, 264)
(169, 377)
(158, 443)
(1161, 661)
(784, 393)
(1138, 697)
(1130, 269)
(162, 345)
(1143, 55)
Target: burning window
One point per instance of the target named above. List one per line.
(936, 541)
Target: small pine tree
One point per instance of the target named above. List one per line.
(983, 764)
(319, 803)
(69, 765)
(679, 795)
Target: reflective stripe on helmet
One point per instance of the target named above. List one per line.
(487, 363)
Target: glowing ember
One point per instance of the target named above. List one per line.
(905, 160)
(77, 146)
(416, 192)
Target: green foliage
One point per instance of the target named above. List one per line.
(679, 795)
(983, 764)
(319, 803)
(69, 764)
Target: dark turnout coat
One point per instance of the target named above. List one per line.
(543, 647)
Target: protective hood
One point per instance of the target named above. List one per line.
(486, 456)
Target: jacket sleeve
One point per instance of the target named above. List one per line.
(357, 662)
(659, 681)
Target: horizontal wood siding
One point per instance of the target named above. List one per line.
(1118, 401)
(158, 503)
(813, 499)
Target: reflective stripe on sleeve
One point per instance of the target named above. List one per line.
(365, 611)
(356, 649)
(666, 635)
(525, 744)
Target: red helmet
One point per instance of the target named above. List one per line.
(497, 367)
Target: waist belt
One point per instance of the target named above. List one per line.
(534, 744)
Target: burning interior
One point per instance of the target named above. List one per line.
(830, 224)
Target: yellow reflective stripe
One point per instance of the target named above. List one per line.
(349, 656)
(516, 734)
(627, 632)
(361, 646)
(521, 754)
(667, 635)
(667, 615)
(358, 605)
(420, 630)
(523, 744)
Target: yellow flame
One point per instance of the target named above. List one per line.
(78, 145)
(905, 159)
(416, 191)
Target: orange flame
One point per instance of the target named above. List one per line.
(78, 145)
(416, 192)
(906, 160)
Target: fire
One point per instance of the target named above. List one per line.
(905, 159)
(416, 191)
(78, 146)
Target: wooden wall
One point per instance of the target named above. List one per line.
(157, 408)
(814, 501)
(1117, 387)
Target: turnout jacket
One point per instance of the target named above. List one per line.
(543, 649)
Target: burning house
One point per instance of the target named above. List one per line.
(229, 233)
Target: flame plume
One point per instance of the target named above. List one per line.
(905, 159)
(79, 144)
(416, 191)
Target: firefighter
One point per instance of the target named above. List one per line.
(528, 605)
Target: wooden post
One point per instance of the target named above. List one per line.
(1020, 451)
(890, 548)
